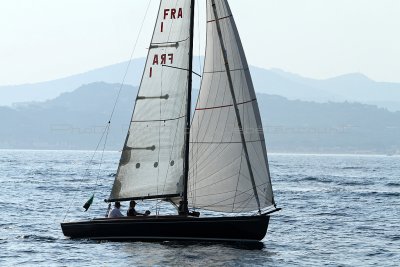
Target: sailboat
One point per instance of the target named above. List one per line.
(215, 161)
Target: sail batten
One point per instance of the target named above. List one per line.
(231, 70)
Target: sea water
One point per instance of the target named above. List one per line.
(337, 210)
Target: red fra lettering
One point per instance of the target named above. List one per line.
(163, 58)
(171, 58)
(166, 13)
(155, 60)
(171, 13)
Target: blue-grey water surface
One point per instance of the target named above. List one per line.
(338, 210)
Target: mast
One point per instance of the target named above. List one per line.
(235, 105)
(188, 113)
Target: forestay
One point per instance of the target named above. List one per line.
(220, 179)
(151, 164)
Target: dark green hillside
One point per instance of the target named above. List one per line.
(75, 120)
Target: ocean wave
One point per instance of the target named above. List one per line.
(355, 183)
(316, 179)
(381, 194)
(395, 238)
(38, 238)
(393, 184)
(354, 168)
(332, 213)
(391, 194)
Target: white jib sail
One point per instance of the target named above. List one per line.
(220, 179)
(152, 159)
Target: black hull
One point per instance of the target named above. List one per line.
(162, 228)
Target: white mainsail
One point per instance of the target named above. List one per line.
(151, 164)
(223, 151)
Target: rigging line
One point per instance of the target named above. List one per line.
(195, 166)
(178, 68)
(115, 103)
(102, 155)
(86, 172)
(130, 61)
(188, 111)
(199, 34)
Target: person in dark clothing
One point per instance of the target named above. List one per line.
(132, 212)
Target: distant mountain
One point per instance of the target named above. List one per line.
(351, 87)
(51, 89)
(76, 120)
(15, 94)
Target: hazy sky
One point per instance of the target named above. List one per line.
(47, 39)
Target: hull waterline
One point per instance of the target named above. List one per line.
(163, 228)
